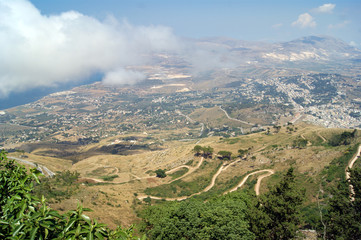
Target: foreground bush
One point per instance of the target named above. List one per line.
(23, 216)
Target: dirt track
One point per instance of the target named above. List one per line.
(350, 165)
(258, 184)
(213, 181)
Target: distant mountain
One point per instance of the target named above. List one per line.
(311, 48)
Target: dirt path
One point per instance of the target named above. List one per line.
(323, 139)
(191, 170)
(234, 119)
(350, 165)
(259, 180)
(256, 188)
(177, 168)
(308, 142)
(213, 181)
(191, 120)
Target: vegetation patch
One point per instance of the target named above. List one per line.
(182, 188)
(336, 169)
(109, 178)
(62, 186)
(179, 173)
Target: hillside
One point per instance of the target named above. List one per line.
(132, 176)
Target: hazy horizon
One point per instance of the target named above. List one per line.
(46, 44)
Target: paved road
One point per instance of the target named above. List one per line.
(41, 168)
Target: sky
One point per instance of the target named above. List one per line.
(47, 43)
(256, 20)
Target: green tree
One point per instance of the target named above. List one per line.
(197, 149)
(277, 214)
(160, 173)
(344, 138)
(23, 216)
(299, 143)
(343, 217)
(220, 218)
(208, 151)
(225, 154)
(242, 152)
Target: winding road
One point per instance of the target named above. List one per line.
(323, 139)
(213, 181)
(234, 119)
(191, 120)
(258, 184)
(191, 170)
(39, 167)
(350, 165)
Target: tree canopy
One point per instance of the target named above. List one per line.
(343, 217)
(23, 216)
(221, 218)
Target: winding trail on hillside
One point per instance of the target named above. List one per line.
(191, 170)
(258, 184)
(213, 181)
(191, 120)
(323, 139)
(350, 165)
(308, 142)
(234, 119)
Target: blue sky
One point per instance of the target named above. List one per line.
(258, 20)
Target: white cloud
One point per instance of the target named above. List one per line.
(38, 50)
(353, 44)
(304, 20)
(339, 25)
(325, 8)
(122, 76)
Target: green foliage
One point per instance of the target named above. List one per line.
(299, 143)
(180, 188)
(242, 152)
(276, 215)
(62, 185)
(207, 151)
(23, 216)
(344, 138)
(109, 178)
(343, 218)
(220, 218)
(225, 154)
(197, 149)
(231, 140)
(160, 173)
(179, 173)
(238, 215)
(336, 169)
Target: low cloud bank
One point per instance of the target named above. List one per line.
(38, 50)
